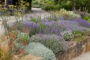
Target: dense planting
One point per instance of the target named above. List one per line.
(43, 38)
(54, 31)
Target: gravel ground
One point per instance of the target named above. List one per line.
(37, 12)
(1, 29)
(85, 56)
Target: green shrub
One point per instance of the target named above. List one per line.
(87, 18)
(67, 35)
(77, 33)
(53, 42)
(41, 3)
(79, 36)
(40, 50)
(67, 5)
(51, 7)
(68, 15)
(87, 33)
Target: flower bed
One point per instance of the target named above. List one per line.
(59, 36)
(52, 36)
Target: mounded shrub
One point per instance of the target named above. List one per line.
(32, 26)
(39, 50)
(54, 42)
(50, 27)
(68, 15)
(52, 7)
(67, 35)
(82, 22)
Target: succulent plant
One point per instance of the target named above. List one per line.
(67, 35)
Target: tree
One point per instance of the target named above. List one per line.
(30, 4)
(56, 1)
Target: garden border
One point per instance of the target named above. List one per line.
(78, 49)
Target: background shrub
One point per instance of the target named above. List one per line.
(51, 7)
(87, 18)
(66, 5)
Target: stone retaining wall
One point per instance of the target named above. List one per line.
(80, 48)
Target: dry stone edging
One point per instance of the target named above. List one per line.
(80, 48)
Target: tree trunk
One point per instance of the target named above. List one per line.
(30, 4)
(56, 1)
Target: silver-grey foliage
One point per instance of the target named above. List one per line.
(40, 50)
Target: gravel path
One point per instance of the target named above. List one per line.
(37, 12)
(85, 56)
(1, 29)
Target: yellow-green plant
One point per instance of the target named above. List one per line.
(18, 11)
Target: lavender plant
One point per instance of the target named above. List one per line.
(72, 25)
(82, 22)
(54, 42)
(31, 26)
(50, 28)
(53, 27)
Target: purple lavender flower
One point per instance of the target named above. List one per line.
(57, 32)
(30, 24)
(55, 27)
(83, 22)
